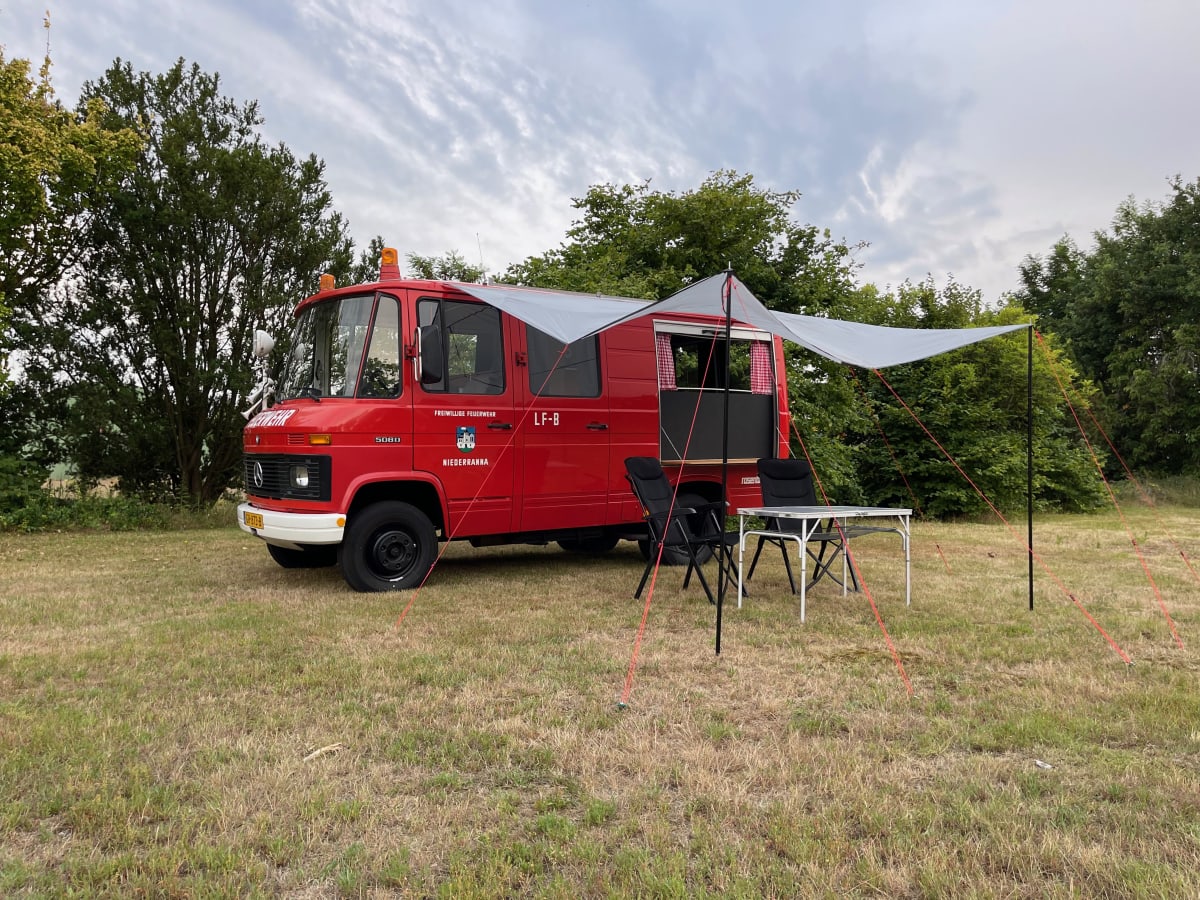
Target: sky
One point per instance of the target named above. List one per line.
(953, 138)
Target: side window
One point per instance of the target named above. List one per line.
(471, 345)
(381, 369)
(558, 370)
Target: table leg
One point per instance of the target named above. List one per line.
(805, 534)
(845, 563)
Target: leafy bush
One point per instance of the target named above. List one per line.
(47, 512)
(20, 483)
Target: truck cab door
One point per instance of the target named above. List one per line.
(464, 414)
(563, 474)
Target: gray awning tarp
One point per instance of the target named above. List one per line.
(705, 297)
(570, 316)
(878, 346)
(564, 315)
(868, 346)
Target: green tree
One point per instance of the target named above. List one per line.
(450, 267)
(1050, 286)
(1128, 311)
(55, 167)
(634, 242)
(213, 234)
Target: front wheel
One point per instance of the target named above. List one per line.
(388, 546)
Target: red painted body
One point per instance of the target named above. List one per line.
(541, 468)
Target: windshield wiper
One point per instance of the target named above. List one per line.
(310, 390)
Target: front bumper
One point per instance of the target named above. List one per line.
(292, 529)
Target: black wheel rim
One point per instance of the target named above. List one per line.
(392, 554)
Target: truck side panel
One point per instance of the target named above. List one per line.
(564, 433)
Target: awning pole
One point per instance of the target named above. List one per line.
(1029, 457)
(722, 562)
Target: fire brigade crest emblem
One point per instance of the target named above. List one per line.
(465, 438)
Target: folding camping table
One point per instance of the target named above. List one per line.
(810, 518)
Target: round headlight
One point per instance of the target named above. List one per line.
(299, 476)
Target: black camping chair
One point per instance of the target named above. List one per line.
(687, 528)
(789, 482)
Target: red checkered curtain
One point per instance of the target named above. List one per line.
(761, 381)
(666, 362)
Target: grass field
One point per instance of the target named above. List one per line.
(180, 717)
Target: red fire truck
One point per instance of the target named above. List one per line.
(411, 412)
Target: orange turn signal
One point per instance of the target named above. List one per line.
(320, 440)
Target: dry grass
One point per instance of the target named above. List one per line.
(159, 695)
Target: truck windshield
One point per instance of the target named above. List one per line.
(327, 349)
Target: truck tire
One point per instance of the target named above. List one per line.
(314, 557)
(677, 556)
(388, 546)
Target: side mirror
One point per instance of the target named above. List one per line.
(263, 344)
(431, 368)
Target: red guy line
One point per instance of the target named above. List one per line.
(1053, 575)
(895, 460)
(857, 572)
(1108, 487)
(491, 469)
(627, 690)
(1129, 473)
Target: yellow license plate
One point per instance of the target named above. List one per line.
(252, 520)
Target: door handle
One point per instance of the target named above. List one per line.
(500, 426)
(597, 426)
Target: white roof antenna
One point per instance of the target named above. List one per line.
(483, 278)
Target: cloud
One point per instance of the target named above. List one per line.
(954, 138)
